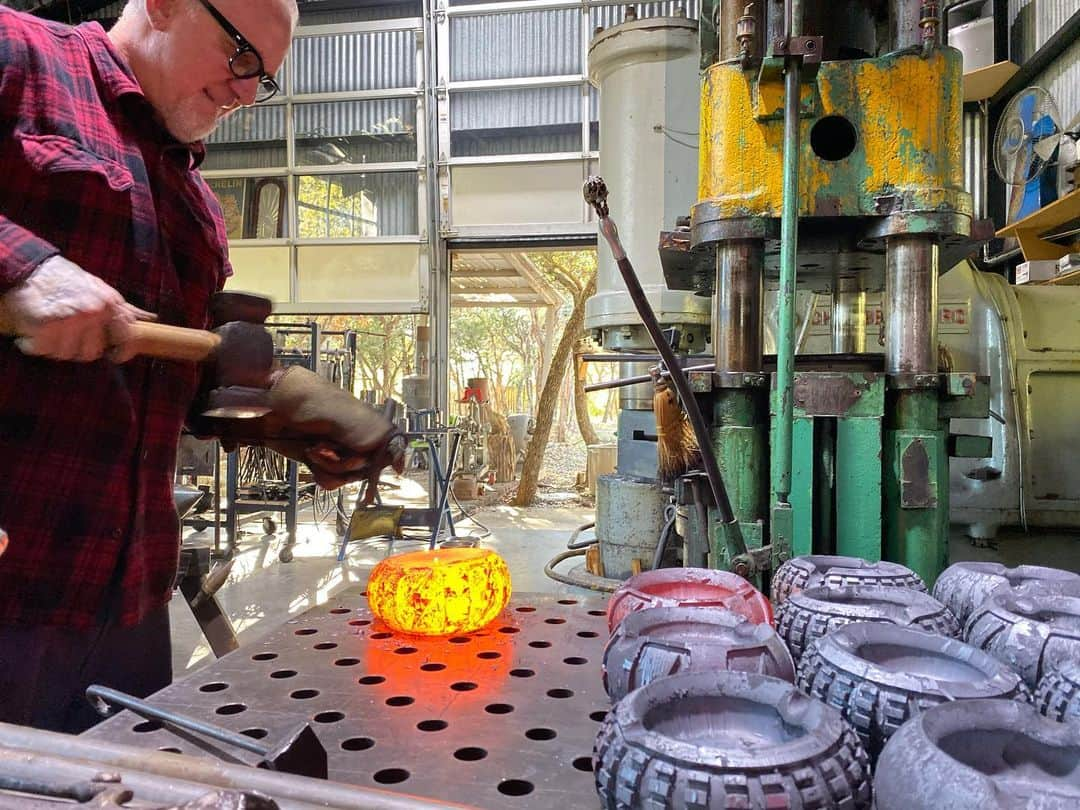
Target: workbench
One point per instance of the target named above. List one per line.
(501, 718)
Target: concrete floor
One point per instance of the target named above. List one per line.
(263, 592)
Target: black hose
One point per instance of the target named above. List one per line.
(661, 544)
(572, 546)
(594, 583)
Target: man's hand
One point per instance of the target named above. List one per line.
(332, 469)
(62, 312)
(305, 418)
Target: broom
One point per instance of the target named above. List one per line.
(676, 448)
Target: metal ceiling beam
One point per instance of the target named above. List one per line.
(542, 286)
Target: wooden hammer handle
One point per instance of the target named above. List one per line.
(171, 342)
(153, 339)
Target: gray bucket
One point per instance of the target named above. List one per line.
(629, 517)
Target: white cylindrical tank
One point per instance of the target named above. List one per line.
(647, 74)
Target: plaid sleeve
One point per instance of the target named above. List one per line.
(221, 233)
(20, 250)
(20, 253)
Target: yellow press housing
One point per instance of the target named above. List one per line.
(879, 138)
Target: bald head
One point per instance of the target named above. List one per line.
(180, 52)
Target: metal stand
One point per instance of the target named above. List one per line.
(239, 504)
(440, 488)
(338, 365)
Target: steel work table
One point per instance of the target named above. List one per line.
(501, 718)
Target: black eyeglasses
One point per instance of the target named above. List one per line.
(246, 63)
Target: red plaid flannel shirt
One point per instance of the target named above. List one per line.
(87, 450)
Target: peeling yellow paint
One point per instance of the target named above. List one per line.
(906, 109)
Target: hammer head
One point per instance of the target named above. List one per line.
(300, 753)
(245, 356)
(239, 306)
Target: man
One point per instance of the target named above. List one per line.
(105, 220)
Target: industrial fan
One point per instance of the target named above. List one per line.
(1025, 145)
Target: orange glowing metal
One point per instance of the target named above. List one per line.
(440, 592)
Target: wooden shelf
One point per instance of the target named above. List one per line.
(985, 82)
(1029, 230)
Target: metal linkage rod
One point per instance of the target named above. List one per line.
(640, 378)
(144, 709)
(595, 192)
(789, 246)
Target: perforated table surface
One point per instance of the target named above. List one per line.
(502, 718)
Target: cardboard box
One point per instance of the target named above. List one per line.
(1068, 263)
(1035, 271)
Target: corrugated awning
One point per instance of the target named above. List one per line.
(485, 278)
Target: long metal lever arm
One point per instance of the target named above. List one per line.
(595, 192)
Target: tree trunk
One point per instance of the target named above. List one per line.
(549, 396)
(581, 399)
(565, 392)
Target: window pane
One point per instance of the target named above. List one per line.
(331, 63)
(542, 120)
(253, 207)
(344, 206)
(513, 46)
(250, 138)
(355, 276)
(262, 269)
(350, 132)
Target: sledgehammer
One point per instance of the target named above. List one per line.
(242, 350)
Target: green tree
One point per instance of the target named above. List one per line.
(385, 346)
(576, 274)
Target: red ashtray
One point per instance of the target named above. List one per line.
(688, 587)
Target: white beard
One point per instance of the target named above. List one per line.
(187, 122)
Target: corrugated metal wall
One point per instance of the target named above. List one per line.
(384, 116)
(503, 122)
(394, 194)
(227, 157)
(250, 138)
(476, 144)
(1032, 22)
(311, 12)
(1062, 80)
(377, 131)
(974, 158)
(252, 124)
(528, 44)
(384, 60)
(513, 46)
(607, 16)
(532, 107)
